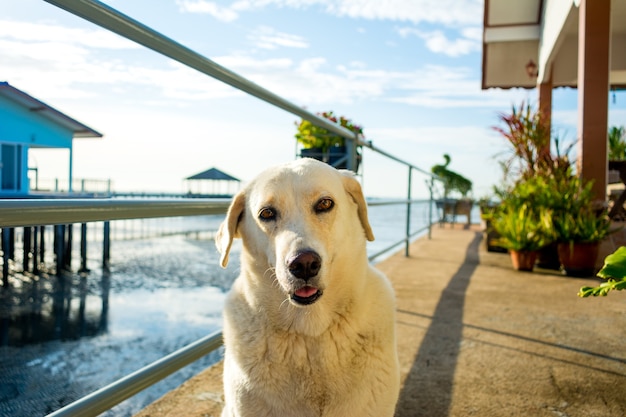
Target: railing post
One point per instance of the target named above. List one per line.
(42, 243)
(11, 243)
(67, 257)
(83, 248)
(36, 250)
(408, 214)
(430, 208)
(26, 248)
(6, 235)
(106, 245)
(59, 242)
(350, 154)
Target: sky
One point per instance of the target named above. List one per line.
(408, 71)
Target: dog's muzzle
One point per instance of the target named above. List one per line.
(305, 266)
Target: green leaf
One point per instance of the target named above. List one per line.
(614, 265)
(614, 270)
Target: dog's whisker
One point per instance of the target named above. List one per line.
(275, 282)
(286, 300)
(271, 270)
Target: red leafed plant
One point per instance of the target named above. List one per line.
(528, 132)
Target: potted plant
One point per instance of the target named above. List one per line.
(453, 183)
(617, 171)
(319, 143)
(617, 143)
(523, 226)
(579, 226)
(487, 209)
(529, 134)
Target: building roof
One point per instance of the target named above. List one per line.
(546, 33)
(18, 96)
(213, 174)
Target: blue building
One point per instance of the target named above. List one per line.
(27, 123)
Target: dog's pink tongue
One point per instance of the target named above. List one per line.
(306, 292)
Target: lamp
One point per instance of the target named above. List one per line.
(531, 69)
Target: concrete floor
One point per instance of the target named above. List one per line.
(476, 338)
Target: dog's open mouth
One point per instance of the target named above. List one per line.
(306, 295)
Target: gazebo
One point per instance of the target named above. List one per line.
(213, 182)
(546, 44)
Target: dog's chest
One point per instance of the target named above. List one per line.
(326, 352)
(312, 370)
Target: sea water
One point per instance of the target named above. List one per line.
(164, 291)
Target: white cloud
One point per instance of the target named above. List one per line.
(268, 38)
(22, 63)
(312, 81)
(447, 12)
(474, 33)
(225, 14)
(247, 63)
(466, 15)
(437, 41)
(42, 32)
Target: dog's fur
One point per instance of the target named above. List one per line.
(289, 353)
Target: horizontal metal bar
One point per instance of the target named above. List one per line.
(113, 394)
(404, 240)
(37, 212)
(374, 203)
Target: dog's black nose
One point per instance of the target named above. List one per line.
(305, 264)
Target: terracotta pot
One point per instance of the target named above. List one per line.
(523, 260)
(578, 259)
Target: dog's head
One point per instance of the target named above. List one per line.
(301, 224)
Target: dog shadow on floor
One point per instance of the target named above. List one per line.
(428, 388)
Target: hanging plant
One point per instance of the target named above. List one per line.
(312, 136)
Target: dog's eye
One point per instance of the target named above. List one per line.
(267, 214)
(325, 204)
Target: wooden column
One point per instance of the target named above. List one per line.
(545, 106)
(594, 37)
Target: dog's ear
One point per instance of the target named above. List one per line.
(229, 228)
(353, 188)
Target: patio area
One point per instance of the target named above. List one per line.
(477, 338)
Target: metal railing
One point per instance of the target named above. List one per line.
(26, 212)
(17, 213)
(32, 212)
(409, 234)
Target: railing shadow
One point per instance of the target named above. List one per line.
(429, 385)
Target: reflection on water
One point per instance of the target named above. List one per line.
(37, 309)
(64, 337)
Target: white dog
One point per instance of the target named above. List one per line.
(309, 325)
